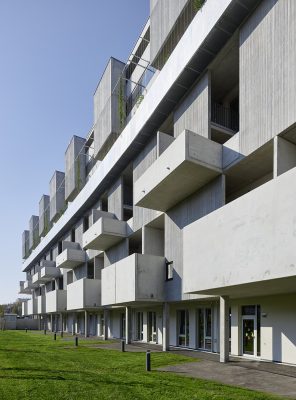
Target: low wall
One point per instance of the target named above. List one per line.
(20, 324)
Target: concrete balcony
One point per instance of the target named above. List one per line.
(137, 278)
(36, 279)
(41, 304)
(32, 306)
(84, 294)
(56, 301)
(247, 247)
(188, 164)
(70, 258)
(104, 233)
(22, 289)
(29, 285)
(24, 308)
(49, 273)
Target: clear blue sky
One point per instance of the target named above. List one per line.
(52, 54)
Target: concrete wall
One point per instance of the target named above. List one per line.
(25, 244)
(115, 199)
(255, 233)
(193, 112)
(75, 167)
(44, 221)
(106, 112)
(33, 232)
(163, 15)
(267, 73)
(57, 195)
(208, 199)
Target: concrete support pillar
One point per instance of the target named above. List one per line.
(39, 322)
(73, 325)
(51, 322)
(106, 323)
(166, 327)
(128, 325)
(224, 329)
(62, 322)
(85, 323)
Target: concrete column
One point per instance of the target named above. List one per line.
(73, 324)
(166, 327)
(39, 322)
(62, 322)
(224, 329)
(106, 323)
(85, 323)
(128, 325)
(51, 322)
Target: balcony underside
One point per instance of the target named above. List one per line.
(70, 258)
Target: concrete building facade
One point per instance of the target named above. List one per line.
(174, 222)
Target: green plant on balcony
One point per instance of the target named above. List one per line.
(121, 103)
(197, 4)
(139, 100)
(45, 223)
(77, 171)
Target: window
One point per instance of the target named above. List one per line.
(183, 327)
(60, 247)
(51, 255)
(91, 270)
(85, 224)
(169, 274)
(73, 235)
(61, 283)
(53, 285)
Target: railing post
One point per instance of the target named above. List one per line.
(148, 361)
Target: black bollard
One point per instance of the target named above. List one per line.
(26, 330)
(123, 346)
(55, 336)
(44, 331)
(148, 361)
(62, 334)
(76, 341)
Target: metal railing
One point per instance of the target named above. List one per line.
(225, 117)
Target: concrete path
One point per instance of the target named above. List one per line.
(247, 374)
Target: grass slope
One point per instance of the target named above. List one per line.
(34, 366)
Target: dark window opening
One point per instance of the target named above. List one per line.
(169, 270)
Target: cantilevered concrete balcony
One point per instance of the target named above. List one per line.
(246, 247)
(22, 289)
(104, 233)
(32, 306)
(70, 258)
(137, 278)
(29, 285)
(56, 301)
(41, 304)
(189, 163)
(84, 294)
(48, 272)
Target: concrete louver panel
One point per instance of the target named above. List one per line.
(84, 293)
(75, 167)
(57, 195)
(107, 102)
(25, 244)
(139, 277)
(104, 233)
(33, 232)
(44, 214)
(189, 163)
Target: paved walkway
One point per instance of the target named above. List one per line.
(267, 377)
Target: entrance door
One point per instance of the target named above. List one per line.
(204, 328)
(152, 326)
(249, 337)
(139, 326)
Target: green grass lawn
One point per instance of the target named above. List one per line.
(34, 366)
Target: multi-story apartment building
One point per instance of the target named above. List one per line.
(175, 220)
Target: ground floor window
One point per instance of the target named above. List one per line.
(139, 322)
(204, 328)
(152, 326)
(122, 325)
(183, 328)
(251, 330)
(102, 324)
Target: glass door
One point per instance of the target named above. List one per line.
(140, 326)
(249, 337)
(204, 328)
(183, 328)
(152, 326)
